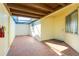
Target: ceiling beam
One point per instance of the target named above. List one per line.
(57, 8)
(51, 5)
(62, 4)
(22, 12)
(26, 9)
(25, 15)
(39, 6)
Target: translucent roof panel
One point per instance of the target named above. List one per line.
(23, 20)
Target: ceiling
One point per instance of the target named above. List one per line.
(34, 10)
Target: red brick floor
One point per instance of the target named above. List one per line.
(28, 46)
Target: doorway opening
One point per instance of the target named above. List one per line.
(36, 29)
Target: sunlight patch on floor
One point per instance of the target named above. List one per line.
(58, 52)
(57, 48)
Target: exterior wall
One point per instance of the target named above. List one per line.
(53, 26)
(9, 32)
(22, 29)
(47, 28)
(12, 31)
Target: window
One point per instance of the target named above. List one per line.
(72, 22)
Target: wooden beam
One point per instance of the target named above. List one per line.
(52, 5)
(39, 6)
(22, 8)
(57, 8)
(62, 4)
(22, 12)
(23, 15)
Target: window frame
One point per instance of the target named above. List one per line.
(66, 24)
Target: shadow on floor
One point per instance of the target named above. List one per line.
(61, 48)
